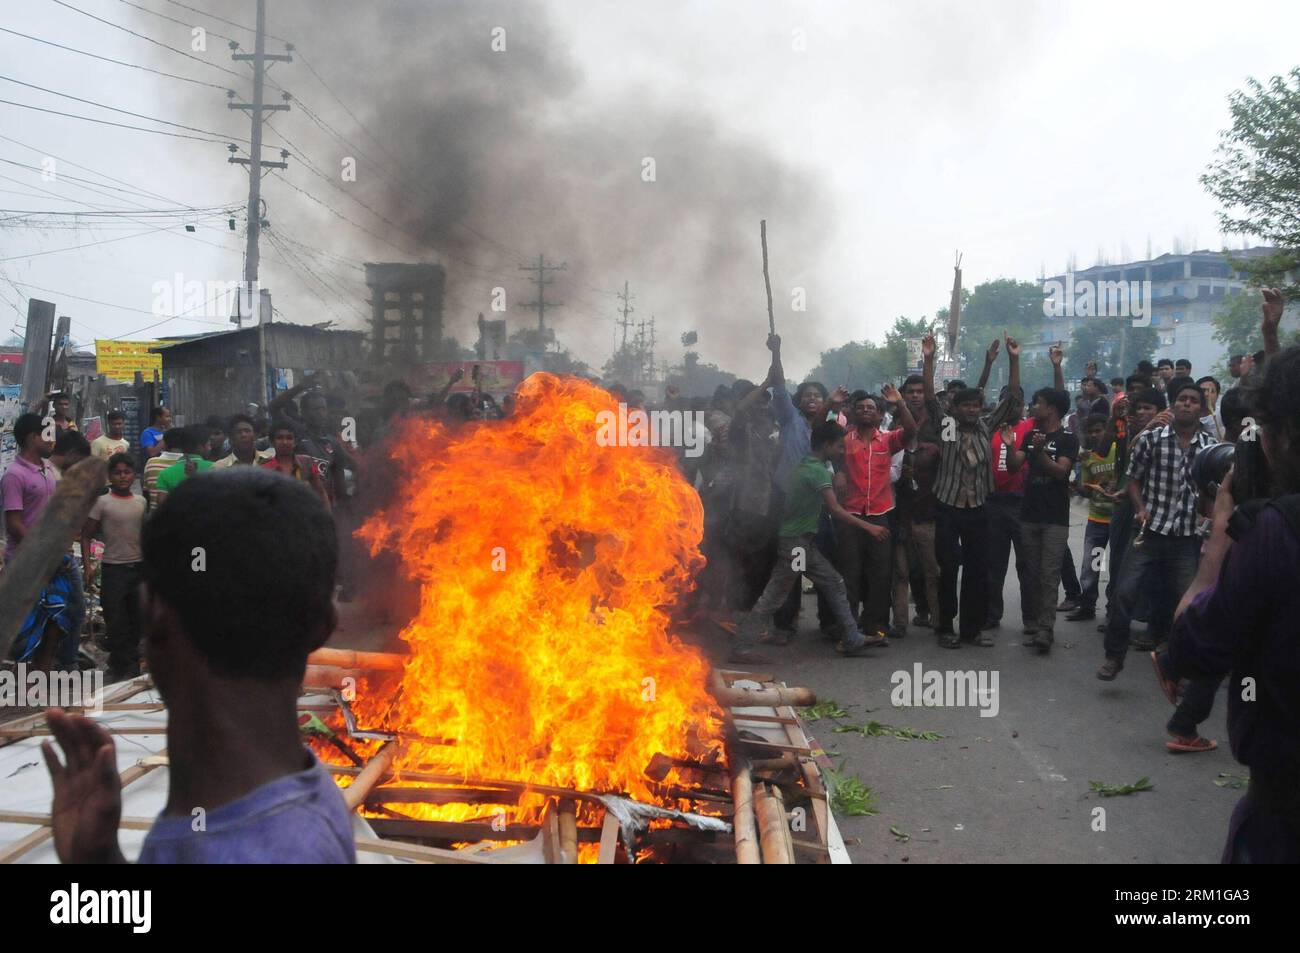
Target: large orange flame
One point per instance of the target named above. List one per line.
(546, 563)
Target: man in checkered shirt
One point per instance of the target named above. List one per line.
(1165, 547)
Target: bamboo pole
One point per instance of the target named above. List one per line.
(768, 696)
(567, 815)
(773, 836)
(550, 835)
(767, 281)
(742, 821)
(38, 731)
(376, 769)
(332, 676)
(776, 798)
(347, 658)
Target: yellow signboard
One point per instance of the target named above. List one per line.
(121, 359)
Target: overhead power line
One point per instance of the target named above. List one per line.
(116, 109)
(147, 39)
(109, 59)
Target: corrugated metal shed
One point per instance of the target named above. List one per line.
(218, 373)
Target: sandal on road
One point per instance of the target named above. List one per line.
(950, 641)
(985, 640)
(1167, 685)
(1195, 743)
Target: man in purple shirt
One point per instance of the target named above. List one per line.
(1239, 616)
(29, 482)
(227, 641)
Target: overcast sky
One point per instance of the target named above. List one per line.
(1017, 132)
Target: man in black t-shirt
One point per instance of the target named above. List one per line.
(1049, 450)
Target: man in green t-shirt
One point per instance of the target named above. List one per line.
(193, 448)
(1097, 481)
(809, 489)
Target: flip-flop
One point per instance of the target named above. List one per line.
(1167, 685)
(1187, 745)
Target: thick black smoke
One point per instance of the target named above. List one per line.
(487, 158)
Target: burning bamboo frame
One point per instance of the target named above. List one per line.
(747, 804)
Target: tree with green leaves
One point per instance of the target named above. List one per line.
(1237, 327)
(1101, 340)
(992, 309)
(867, 365)
(856, 364)
(1256, 175)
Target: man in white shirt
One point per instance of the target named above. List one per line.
(243, 445)
(114, 439)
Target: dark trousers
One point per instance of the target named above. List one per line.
(1265, 826)
(968, 528)
(1096, 536)
(1164, 565)
(866, 565)
(1194, 706)
(1121, 531)
(119, 599)
(1004, 534)
(1069, 578)
(1044, 544)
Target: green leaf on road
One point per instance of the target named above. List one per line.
(1111, 790)
(849, 795)
(876, 729)
(1234, 781)
(901, 835)
(829, 708)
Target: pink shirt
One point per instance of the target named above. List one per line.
(26, 488)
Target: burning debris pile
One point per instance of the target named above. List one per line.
(543, 690)
(547, 564)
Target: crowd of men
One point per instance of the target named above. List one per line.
(871, 496)
(914, 496)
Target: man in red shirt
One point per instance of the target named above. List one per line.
(1004, 530)
(866, 557)
(299, 466)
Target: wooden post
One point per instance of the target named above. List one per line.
(45, 543)
(36, 352)
(609, 833)
(767, 281)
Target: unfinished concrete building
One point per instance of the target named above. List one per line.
(406, 308)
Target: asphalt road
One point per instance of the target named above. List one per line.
(1014, 787)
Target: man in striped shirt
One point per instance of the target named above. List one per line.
(1164, 545)
(963, 483)
(167, 453)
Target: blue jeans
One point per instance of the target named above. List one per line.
(1096, 537)
(829, 583)
(1162, 565)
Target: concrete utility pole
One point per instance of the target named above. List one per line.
(256, 164)
(541, 304)
(627, 309)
